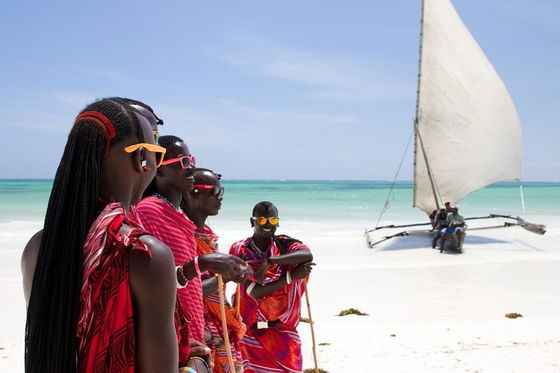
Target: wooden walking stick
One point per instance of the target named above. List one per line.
(312, 331)
(224, 321)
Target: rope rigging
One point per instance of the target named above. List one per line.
(387, 204)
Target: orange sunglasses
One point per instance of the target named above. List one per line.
(261, 220)
(160, 151)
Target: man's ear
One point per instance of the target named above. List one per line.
(139, 160)
(252, 221)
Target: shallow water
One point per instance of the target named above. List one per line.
(307, 208)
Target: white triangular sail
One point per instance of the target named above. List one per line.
(467, 122)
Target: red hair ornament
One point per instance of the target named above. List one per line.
(103, 121)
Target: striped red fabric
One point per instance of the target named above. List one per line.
(174, 229)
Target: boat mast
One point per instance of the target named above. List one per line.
(417, 137)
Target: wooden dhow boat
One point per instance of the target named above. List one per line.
(466, 131)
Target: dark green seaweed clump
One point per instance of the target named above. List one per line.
(352, 311)
(513, 315)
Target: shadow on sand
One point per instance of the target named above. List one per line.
(425, 241)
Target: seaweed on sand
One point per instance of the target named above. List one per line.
(513, 315)
(352, 311)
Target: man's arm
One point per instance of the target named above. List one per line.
(229, 266)
(301, 271)
(153, 286)
(296, 257)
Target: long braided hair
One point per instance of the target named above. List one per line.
(52, 314)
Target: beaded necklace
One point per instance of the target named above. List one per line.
(257, 250)
(157, 195)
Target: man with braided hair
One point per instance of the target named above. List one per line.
(100, 290)
(271, 298)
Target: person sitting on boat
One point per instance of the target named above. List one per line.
(432, 217)
(440, 225)
(456, 225)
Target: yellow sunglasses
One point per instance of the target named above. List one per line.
(160, 152)
(261, 220)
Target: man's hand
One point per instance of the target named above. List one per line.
(200, 349)
(229, 266)
(259, 274)
(302, 270)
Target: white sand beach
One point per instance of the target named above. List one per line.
(428, 312)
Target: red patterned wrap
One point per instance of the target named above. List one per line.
(278, 347)
(106, 332)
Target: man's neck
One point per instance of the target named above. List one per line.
(109, 195)
(198, 219)
(262, 242)
(171, 195)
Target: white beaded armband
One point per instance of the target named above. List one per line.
(181, 275)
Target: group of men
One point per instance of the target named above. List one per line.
(271, 271)
(126, 276)
(447, 222)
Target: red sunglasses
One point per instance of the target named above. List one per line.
(187, 161)
(216, 191)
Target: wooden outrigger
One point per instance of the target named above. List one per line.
(518, 222)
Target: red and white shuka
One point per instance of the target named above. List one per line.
(278, 347)
(174, 229)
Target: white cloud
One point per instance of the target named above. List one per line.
(260, 115)
(332, 77)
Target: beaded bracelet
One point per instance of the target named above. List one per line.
(181, 278)
(197, 266)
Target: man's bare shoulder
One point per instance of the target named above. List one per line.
(29, 261)
(159, 262)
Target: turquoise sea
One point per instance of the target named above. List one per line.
(335, 202)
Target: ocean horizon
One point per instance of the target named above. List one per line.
(311, 201)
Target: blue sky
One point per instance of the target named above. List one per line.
(263, 89)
